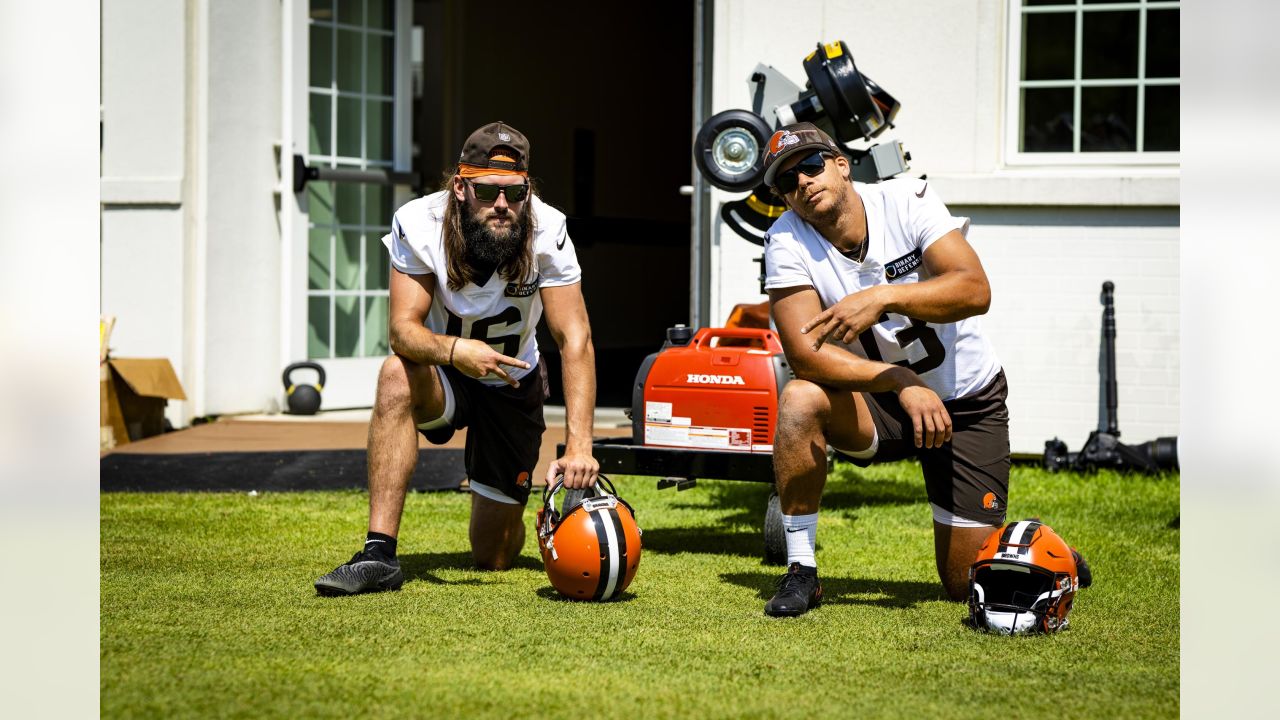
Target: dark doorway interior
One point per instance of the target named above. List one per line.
(604, 91)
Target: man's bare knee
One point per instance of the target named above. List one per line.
(803, 404)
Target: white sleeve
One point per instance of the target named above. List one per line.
(557, 259)
(403, 256)
(782, 264)
(930, 219)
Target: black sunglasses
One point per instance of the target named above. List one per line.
(812, 166)
(489, 193)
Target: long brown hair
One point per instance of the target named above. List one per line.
(516, 270)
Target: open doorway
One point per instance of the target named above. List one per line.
(604, 92)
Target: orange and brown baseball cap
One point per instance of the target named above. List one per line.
(792, 139)
(494, 149)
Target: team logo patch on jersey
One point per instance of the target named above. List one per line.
(782, 140)
(895, 269)
(522, 289)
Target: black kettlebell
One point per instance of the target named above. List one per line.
(303, 399)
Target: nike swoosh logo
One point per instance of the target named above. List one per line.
(921, 193)
(791, 530)
(560, 244)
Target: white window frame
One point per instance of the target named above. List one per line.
(1014, 157)
(351, 381)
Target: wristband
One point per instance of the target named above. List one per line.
(451, 349)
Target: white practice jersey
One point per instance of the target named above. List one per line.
(904, 217)
(504, 315)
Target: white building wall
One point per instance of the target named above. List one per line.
(241, 259)
(1048, 235)
(143, 171)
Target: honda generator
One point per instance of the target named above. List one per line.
(705, 406)
(716, 389)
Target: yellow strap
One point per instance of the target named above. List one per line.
(765, 209)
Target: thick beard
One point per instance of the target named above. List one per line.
(488, 249)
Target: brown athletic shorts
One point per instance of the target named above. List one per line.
(504, 429)
(968, 476)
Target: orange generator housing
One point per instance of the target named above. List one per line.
(716, 389)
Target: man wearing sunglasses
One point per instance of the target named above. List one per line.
(874, 291)
(474, 267)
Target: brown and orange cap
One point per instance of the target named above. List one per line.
(495, 149)
(792, 139)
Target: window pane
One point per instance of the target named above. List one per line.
(1048, 46)
(349, 211)
(1110, 48)
(1162, 43)
(346, 326)
(1046, 120)
(378, 143)
(351, 12)
(1161, 118)
(321, 125)
(377, 270)
(350, 60)
(318, 327)
(377, 206)
(346, 265)
(380, 69)
(322, 9)
(349, 127)
(375, 327)
(1108, 119)
(321, 56)
(320, 205)
(382, 14)
(318, 259)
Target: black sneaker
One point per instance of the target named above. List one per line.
(798, 592)
(1082, 569)
(364, 572)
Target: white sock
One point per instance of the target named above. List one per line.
(802, 534)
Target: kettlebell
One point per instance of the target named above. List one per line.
(303, 399)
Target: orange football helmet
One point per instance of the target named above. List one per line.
(1025, 580)
(593, 551)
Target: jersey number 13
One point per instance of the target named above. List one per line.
(917, 331)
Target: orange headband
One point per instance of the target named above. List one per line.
(470, 171)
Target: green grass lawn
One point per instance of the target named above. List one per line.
(208, 610)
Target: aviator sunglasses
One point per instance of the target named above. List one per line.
(489, 193)
(812, 166)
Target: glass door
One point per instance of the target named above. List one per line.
(356, 117)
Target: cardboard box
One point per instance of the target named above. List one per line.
(134, 393)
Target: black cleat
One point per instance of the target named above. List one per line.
(798, 592)
(364, 572)
(1083, 572)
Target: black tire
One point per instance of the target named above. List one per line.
(775, 538)
(721, 122)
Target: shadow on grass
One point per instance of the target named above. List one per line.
(745, 501)
(704, 540)
(550, 593)
(422, 566)
(894, 594)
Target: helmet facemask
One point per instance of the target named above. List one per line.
(1013, 599)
